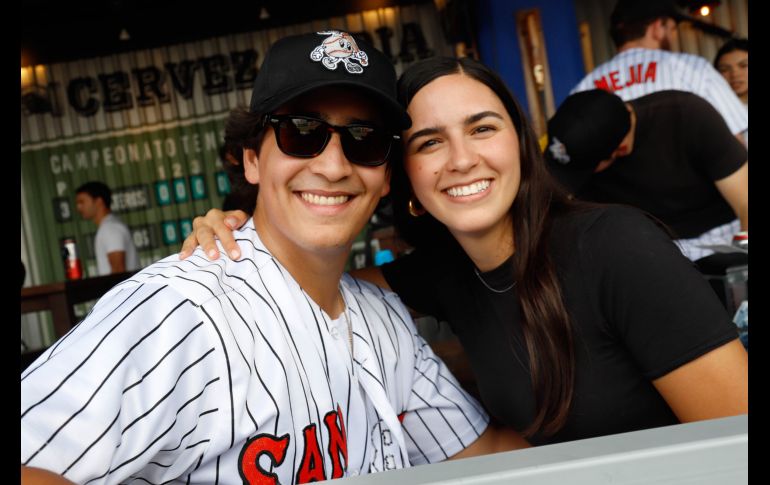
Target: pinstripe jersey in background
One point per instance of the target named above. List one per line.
(636, 72)
(697, 247)
(227, 372)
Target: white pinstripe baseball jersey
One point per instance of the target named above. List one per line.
(636, 72)
(693, 248)
(227, 372)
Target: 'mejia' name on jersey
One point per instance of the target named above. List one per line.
(637, 74)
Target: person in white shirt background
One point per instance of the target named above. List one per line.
(113, 246)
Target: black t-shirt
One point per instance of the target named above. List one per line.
(681, 147)
(639, 310)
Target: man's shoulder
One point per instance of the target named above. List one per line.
(597, 221)
(365, 291)
(623, 58)
(688, 58)
(174, 278)
(641, 55)
(584, 236)
(676, 108)
(686, 63)
(111, 232)
(112, 224)
(364, 288)
(381, 310)
(200, 279)
(671, 97)
(113, 219)
(630, 55)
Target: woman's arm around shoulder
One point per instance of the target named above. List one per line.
(38, 476)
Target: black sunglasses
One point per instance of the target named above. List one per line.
(306, 137)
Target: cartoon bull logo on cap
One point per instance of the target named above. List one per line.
(340, 47)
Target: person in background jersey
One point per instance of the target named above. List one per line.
(113, 246)
(643, 32)
(668, 153)
(578, 319)
(272, 367)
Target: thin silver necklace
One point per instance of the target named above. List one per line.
(478, 275)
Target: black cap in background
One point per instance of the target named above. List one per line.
(585, 130)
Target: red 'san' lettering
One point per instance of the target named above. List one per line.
(249, 468)
(312, 467)
(338, 441)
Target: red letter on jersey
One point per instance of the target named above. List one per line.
(615, 81)
(650, 74)
(312, 467)
(634, 74)
(249, 468)
(601, 83)
(338, 441)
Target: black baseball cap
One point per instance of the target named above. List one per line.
(585, 130)
(628, 11)
(298, 64)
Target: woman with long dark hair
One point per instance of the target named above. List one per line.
(578, 320)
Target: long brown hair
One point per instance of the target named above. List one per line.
(545, 324)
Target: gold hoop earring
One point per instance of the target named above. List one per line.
(415, 209)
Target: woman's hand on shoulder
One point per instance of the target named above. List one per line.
(215, 224)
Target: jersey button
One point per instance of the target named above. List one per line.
(334, 332)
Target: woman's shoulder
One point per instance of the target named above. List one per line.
(597, 218)
(597, 229)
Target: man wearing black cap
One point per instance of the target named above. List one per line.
(668, 153)
(644, 32)
(272, 367)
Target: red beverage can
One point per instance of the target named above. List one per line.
(741, 240)
(73, 270)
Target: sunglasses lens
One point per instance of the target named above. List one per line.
(301, 137)
(365, 145)
(307, 137)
